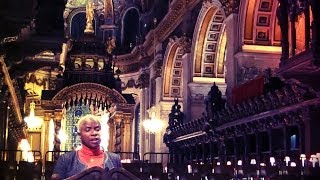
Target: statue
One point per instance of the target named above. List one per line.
(89, 17)
(111, 44)
(214, 101)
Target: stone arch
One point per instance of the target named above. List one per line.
(90, 90)
(173, 71)
(207, 39)
(260, 24)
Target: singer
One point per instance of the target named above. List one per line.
(90, 154)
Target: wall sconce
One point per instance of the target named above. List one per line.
(32, 121)
(153, 125)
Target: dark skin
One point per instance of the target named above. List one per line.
(89, 133)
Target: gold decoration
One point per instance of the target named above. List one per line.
(89, 16)
(111, 44)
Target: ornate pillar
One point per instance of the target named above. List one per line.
(118, 125)
(143, 84)
(293, 17)
(231, 23)
(127, 134)
(282, 15)
(57, 127)
(315, 43)
(185, 45)
(45, 134)
(307, 24)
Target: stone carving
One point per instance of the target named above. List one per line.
(214, 101)
(143, 80)
(176, 116)
(248, 73)
(110, 45)
(185, 44)
(230, 6)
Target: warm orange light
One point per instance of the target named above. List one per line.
(153, 125)
(261, 49)
(26, 151)
(105, 130)
(32, 121)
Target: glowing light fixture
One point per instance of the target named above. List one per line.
(287, 160)
(62, 136)
(26, 153)
(32, 121)
(153, 125)
(272, 161)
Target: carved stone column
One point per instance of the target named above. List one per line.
(187, 76)
(282, 15)
(232, 45)
(57, 127)
(117, 122)
(127, 133)
(293, 18)
(143, 84)
(45, 134)
(315, 43)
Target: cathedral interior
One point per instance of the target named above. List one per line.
(186, 89)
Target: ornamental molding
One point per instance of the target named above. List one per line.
(173, 18)
(91, 90)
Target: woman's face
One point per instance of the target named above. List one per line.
(90, 133)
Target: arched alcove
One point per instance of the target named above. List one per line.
(78, 24)
(173, 72)
(130, 29)
(210, 43)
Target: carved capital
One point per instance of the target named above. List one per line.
(143, 80)
(230, 6)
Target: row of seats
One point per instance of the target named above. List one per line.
(20, 170)
(33, 170)
(208, 171)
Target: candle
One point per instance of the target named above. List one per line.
(313, 159)
(189, 169)
(287, 159)
(272, 161)
(229, 163)
(253, 161)
(293, 164)
(239, 163)
(303, 159)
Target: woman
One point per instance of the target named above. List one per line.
(90, 154)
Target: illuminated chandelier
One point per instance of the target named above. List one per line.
(153, 125)
(32, 121)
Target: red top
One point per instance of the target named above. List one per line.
(91, 157)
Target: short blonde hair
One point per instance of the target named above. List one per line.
(87, 117)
